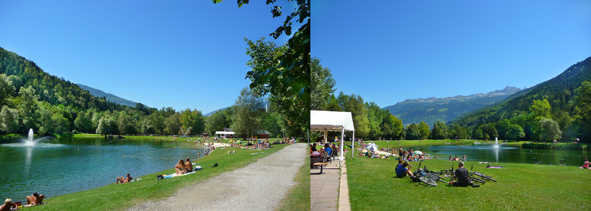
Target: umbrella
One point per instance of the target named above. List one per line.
(417, 153)
(371, 147)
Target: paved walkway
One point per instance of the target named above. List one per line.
(324, 188)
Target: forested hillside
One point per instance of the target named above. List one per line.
(561, 99)
(32, 98)
(434, 109)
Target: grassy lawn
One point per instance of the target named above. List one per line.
(121, 196)
(372, 186)
(298, 197)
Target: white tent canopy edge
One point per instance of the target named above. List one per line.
(333, 121)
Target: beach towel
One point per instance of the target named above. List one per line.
(173, 175)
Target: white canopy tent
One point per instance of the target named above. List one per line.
(224, 133)
(333, 121)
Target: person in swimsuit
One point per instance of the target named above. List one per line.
(180, 167)
(35, 199)
(123, 179)
(8, 205)
(189, 165)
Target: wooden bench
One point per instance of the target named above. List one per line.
(321, 165)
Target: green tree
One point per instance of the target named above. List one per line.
(248, 114)
(478, 134)
(27, 108)
(355, 105)
(583, 109)
(549, 130)
(424, 129)
(439, 130)
(413, 132)
(289, 98)
(6, 89)
(172, 124)
(515, 132)
(193, 119)
(9, 120)
(290, 76)
(322, 85)
(59, 123)
(503, 127)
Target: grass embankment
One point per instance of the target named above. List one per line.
(372, 186)
(121, 196)
(298, 197)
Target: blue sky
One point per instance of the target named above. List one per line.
(389, 51)
(182, 54)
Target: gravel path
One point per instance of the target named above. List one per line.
(258, 186)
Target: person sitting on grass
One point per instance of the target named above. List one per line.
(189, 165)
(450, 158)
(586, 164)
(398, 165)
(123, 179)
(36, 199)
(8, 205)
(404, 170)
(180, 167)
(464, 158)
(461, 176)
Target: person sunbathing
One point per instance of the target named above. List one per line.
(123, 179)
(189, 165)
(8, 205)
(180, 167)
(35, 199)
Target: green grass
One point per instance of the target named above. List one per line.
(298, 197)
(122, 196)
(372, 186)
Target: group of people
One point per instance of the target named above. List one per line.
(32, 200)
(455, 158)
(331, 148)
(183, 167)
(461, 175)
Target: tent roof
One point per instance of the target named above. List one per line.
(224, 133)
(331, 121)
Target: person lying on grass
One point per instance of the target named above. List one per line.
(123, 180)
(8, 205)
(404, 170)
(180, 167)
(35, 199)
(461, 176)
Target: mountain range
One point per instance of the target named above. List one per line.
(559, 91)
(111, 97)
(434, 109)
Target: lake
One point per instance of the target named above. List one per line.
(76, 164)
(509, 154)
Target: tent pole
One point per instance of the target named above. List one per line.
(342, 146)
(353, 145)
(325, 138)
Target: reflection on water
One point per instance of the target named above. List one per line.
(81, 164)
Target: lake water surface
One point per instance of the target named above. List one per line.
(510, 154)
(76, 164)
